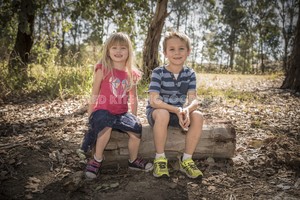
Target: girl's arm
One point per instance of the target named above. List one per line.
(98, 76)
(133, 98)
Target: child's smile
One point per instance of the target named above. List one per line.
(176, 51)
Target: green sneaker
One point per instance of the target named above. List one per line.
(161, 167)
(189, 168)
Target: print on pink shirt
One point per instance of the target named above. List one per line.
(118, 87)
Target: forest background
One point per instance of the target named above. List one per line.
(245, 53)
(48, 47)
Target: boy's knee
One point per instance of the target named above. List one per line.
(197, 117)
(161, 114)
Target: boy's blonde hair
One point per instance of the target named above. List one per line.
(175, 34)
(123, 39)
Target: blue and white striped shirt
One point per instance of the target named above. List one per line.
(171, 90)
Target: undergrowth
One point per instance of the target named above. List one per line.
(63, 82)
(46, 82)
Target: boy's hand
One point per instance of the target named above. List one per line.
(180, 116)
(186, 119)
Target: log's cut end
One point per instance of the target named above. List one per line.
(218, 140)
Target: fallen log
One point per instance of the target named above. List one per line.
(218, 140)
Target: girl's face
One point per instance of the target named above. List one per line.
(176, 51)
(118, 53)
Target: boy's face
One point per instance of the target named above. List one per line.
(176, 51)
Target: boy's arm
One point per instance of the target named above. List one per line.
(192, 105)
(95, 91)
(156, 102)
(133, 98)
(193, 102)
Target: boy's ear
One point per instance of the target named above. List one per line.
(189, 52)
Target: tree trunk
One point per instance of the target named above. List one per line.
(231, 48)
(150, 52)
(285, 50)
(292, 79)
(63, 33)
(19, 57)
(218, 140)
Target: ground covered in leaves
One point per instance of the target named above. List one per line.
(39, 139)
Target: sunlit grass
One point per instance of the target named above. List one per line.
(235, 86)
(61, 82)
(48, 82)
(227, 94)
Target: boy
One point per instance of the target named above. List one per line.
(169, 88)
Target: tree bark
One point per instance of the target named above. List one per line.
(232, 41)
(292, 79)
(218, 140)
(150, 51)
(19, 57)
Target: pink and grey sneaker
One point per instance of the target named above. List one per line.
(92, 169)
(140, 164)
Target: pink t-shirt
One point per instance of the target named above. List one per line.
(113, 95)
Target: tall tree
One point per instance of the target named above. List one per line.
(292, 79)
(266, 28)
(180, 9)
(18, 61)
(150, 51)
(287, 10)
(234, 15)
(8, 25)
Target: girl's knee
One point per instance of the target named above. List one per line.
(134, 136)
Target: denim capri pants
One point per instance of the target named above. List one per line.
(174, 121)
(102, 119)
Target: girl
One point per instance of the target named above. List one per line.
(114, 83)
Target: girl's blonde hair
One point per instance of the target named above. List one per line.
(123, 39)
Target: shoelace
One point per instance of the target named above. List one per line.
(140, 162)
(190, 166)
(93, 166)
(162, 165)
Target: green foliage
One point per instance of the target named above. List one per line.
(143, 89)
(47, 83)
(8, 27)
(42, 56)
(61, 82)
